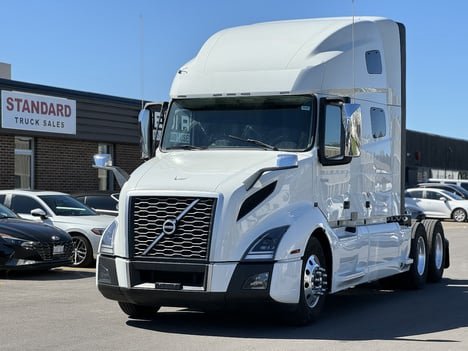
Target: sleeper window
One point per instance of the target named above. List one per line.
(378, 122)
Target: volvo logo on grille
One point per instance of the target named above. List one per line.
(169, 226)
(55, 238)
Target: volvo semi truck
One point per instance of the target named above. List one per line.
(273, 177)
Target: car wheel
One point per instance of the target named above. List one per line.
(82, 255)
(459, 215)
(436, 249)
(138, 311)
(416, 277)
(314, 285)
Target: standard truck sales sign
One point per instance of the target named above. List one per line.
(38, 113)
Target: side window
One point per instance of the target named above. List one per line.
(432, 195)
(2, 199)
(24, 204)
(417, 194)
(378, 122)
(333, 133)
(373, 62)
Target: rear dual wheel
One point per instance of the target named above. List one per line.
(428, 253)
(416, 276)
(436, 249)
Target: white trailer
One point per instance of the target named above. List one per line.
(273, 177)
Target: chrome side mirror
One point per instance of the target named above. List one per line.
(151, 120)
(146, 133)
(286, 161)
(104, 161)
(351, 118)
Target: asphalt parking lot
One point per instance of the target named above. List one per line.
(62, 310)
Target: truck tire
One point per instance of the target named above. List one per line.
(138, 311)
(82, 255)
(416, 277)
(459, 215)
(314, 285)
(436, 249)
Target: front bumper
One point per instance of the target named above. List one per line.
(40, 256)
(17, 265)
(157, 284)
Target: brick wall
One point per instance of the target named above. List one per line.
(127, 156)
(65, 165)
(7, 162)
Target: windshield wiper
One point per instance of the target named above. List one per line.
(185, 147)
(255, 142)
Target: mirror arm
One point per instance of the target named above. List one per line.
(120, 175)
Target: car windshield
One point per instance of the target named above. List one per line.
(6, 212)
(269, 123)
(65, 205)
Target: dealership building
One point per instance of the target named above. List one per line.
(48, 137)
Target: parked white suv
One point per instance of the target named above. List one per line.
(65, 212)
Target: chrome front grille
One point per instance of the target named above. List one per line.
(189, 240)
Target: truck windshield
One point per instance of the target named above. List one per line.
(269, 123)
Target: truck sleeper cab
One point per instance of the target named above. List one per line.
(277, 177)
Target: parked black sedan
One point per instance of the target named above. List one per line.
(31, 245)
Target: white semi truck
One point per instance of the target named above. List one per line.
(273, 177)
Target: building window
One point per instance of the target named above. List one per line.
(24, 162)
(106, 178)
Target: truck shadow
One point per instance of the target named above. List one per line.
(60, 273)
(365, 313)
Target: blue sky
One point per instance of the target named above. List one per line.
(96, 45)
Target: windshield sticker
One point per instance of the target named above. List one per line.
(180, 138)
(182, 121)
(305, 108)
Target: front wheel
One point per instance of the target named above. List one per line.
(314, 285)
(82, 255)
(459, 215)
(138, 311)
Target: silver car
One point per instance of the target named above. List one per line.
(65, 212)
(437, 203)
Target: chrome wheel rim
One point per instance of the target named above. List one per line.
(438, 251)
(459, 215)
(314, 282)
(79, 251)
(421, 249)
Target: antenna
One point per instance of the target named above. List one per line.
(142, 69)
(352, 41)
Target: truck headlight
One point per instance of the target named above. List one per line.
(107, 240)
(264, 248)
